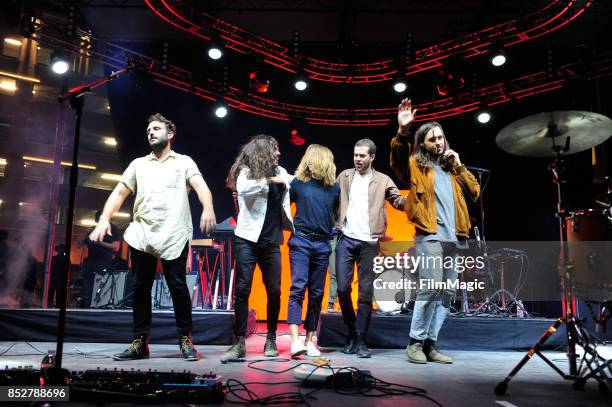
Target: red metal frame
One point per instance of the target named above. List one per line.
(490, 95)
(552, 17)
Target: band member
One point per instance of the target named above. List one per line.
(362, 222)
(437, 207)
(99, 259)
(262, 187)
(161, 229)
(315, 193)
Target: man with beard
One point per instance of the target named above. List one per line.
(161, 229)
(361, 223)
(438, 209)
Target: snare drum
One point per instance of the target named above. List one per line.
(392, 288)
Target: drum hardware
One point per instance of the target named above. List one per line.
(569, 133)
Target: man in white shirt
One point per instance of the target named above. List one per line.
(161, 229)
(262, 188)
(362, 222)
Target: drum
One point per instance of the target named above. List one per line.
(393, 288)
(590, 254)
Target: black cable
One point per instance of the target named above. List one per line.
(40, 352)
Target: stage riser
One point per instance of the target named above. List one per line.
(484, 334)
(113, 326)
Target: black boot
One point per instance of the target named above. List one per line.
(361, 349)
(138, 349)
(270, 349)
(351, 342)
(187, 349)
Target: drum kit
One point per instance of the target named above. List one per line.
(554, 135)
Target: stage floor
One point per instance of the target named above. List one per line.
(469, 381)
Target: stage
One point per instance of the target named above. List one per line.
(469, 380)
(99, 325)
(478, 333)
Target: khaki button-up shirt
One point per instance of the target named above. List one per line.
(162, 218)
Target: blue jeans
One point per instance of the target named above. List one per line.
(309, 260)
(348, 252)
(431, 306)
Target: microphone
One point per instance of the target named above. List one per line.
(477, 234)
(477, 169)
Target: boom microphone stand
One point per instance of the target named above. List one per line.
(76, 98)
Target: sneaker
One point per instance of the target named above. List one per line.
(187, 349)
(297, 349)
(236, 352)
(434, 356)
(415, 353)
(270, 349)
(312, 350)
(138, 349)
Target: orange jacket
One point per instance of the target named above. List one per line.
(421, 203)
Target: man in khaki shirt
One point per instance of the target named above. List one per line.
(161, 229)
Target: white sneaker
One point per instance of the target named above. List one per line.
(312, 350)
(297, 349)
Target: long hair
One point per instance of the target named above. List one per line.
(420, 153)
(318, 163)
(258, 156)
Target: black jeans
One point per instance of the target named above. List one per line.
(249, 254)
(144, 265)
(349, 251)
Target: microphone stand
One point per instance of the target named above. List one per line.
(76, 96)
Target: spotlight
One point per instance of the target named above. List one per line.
(295, 138)
(221, 109)
(483, 117)
(498, 58)
(300, 83)
(215, 51)
(448, 83)
(258, 82)
(399, 86)
(59, 62)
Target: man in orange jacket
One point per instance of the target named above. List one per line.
(437, 207)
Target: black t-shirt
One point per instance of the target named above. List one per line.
(97, 254)
(272, 231)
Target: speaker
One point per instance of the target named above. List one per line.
(108, 289)
(160, 296)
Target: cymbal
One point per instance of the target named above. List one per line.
(533, 136)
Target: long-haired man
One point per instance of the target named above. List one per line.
(315, 193)
(262, 187)
(439, 184)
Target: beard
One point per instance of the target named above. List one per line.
(159, 145)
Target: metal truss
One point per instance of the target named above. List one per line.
(552, 17)
(527, 85)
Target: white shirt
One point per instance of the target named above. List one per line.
(357, 222)
(253, 202)
(162, 218)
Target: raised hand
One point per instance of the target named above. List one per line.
(405, 115)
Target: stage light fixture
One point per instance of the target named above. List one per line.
(300, 83)
(215, 51)
(59, 62)
(221, 109)
(400, 86)
(498, 58)
(483, 117)
(258, 82)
